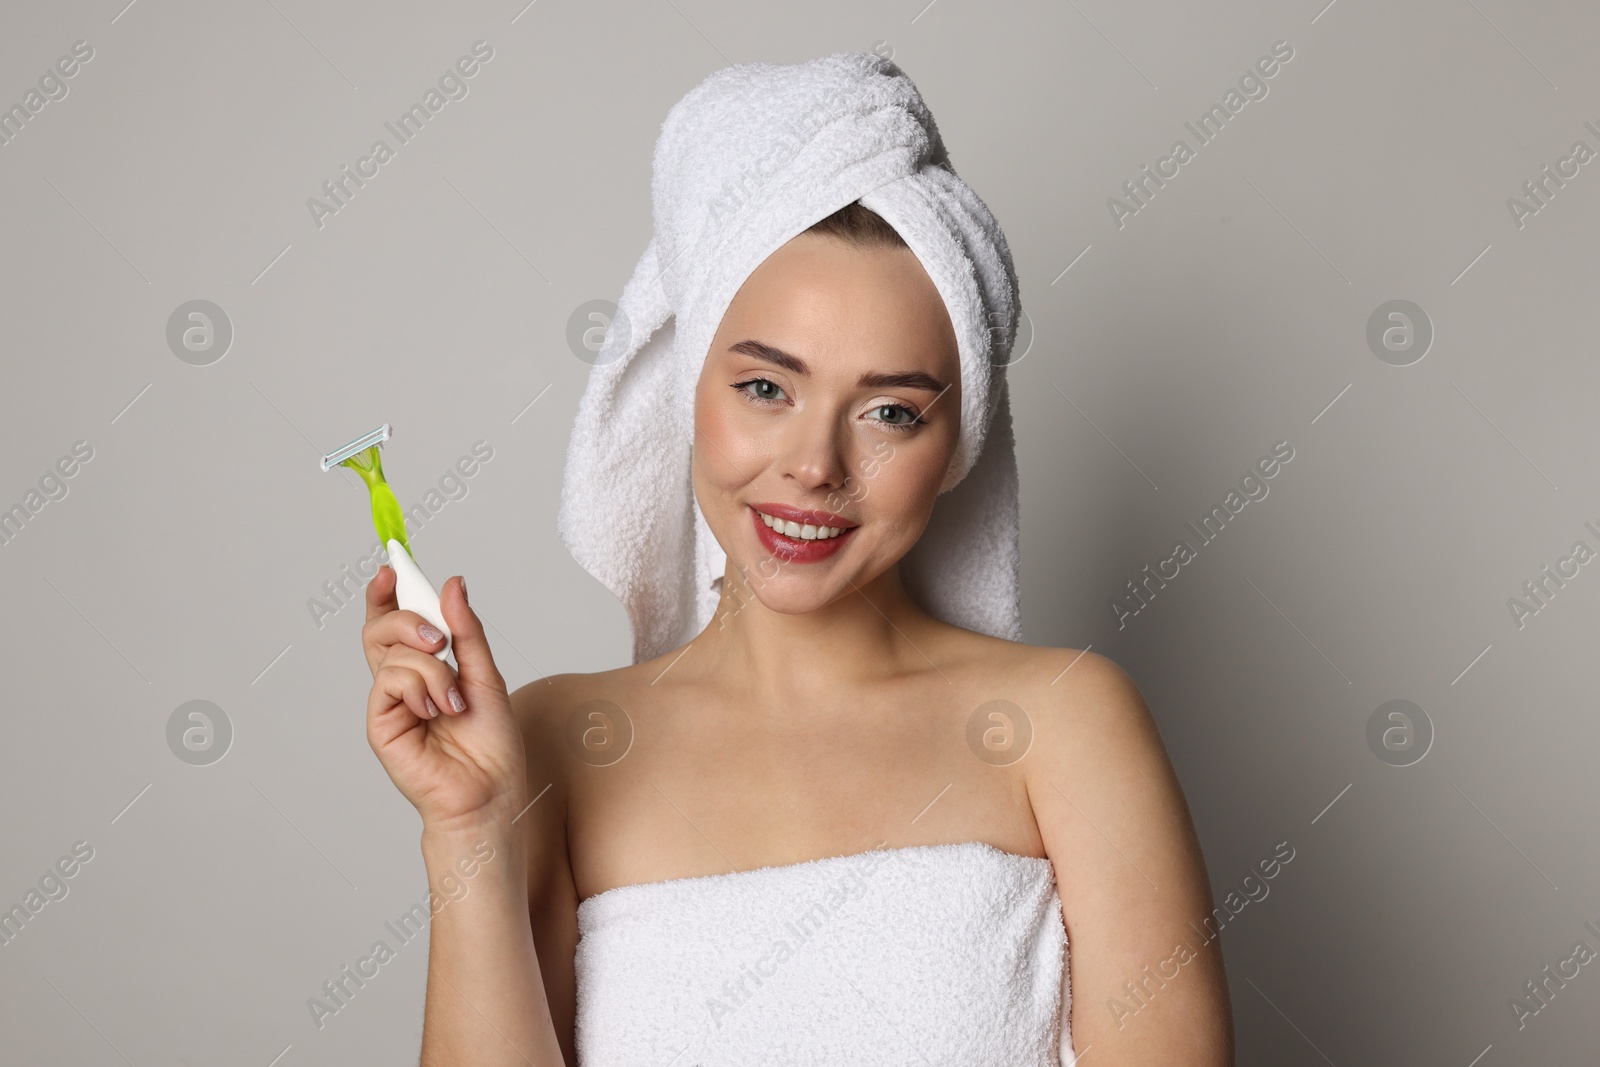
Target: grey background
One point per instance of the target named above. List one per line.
(1228, 314)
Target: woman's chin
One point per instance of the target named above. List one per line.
(784, 594)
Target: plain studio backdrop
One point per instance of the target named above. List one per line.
(1378, 260)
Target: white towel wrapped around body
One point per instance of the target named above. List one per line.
(930, 954)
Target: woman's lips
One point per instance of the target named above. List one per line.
(794, 550)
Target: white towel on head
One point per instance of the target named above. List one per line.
(748, 159)
(930, 954)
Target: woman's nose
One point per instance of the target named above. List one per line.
(813, 452)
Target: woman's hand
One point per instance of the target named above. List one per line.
(449, 743)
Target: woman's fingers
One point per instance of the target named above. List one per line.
(395, 686)
(443, 692)
(380, 593)
(401, 626)
(398, 627)
(467, 638)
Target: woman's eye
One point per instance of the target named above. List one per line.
(764, 389)
(894, 416)
(909, 420)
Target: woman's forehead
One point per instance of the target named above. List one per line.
(834, 303)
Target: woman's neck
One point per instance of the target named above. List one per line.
(871, 632)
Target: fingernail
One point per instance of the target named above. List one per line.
(463, 590)
(456, 701)
(433, 709)
(429, 632)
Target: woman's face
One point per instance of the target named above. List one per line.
(833, 385)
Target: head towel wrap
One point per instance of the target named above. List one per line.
(745, 161)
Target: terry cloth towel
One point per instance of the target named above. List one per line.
(748, 159)
(931, 954)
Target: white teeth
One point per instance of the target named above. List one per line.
(806, 532)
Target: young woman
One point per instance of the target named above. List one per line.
(823, 732)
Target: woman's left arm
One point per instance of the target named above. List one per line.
(1148, 986)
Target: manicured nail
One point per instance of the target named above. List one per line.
(456, 701)
(429, 632)
(433, 709)
(463, 590)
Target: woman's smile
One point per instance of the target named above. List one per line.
(796, 535)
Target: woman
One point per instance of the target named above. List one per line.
(830, 825)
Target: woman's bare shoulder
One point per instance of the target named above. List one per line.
(1075, 688)
(1026, 666)
(1064, 691)
(543, 704)
(545, 707)
(545, 711)
(543, 693)
(1090, 722)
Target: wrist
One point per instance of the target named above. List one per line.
(494, 819)
(496, 828)
(463, 849)
(444, 840)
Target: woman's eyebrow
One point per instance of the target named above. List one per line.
(872, 380)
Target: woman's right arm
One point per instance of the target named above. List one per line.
(485, 1001)
(461, 762)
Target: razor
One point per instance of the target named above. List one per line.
(412, 589)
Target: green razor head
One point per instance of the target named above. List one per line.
(362, 456)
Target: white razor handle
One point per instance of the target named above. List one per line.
(415, 593)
